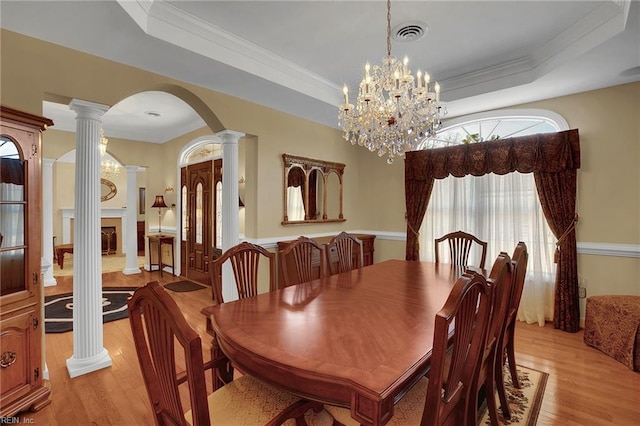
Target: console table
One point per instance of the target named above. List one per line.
(159, 240)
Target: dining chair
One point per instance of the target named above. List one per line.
(506, 349)
(344, 253)
(302, 260)
(460, 245)
(500, 279)
(245, 262)
(157, 324)
(443, 397)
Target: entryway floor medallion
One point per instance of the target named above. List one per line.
(58, 309)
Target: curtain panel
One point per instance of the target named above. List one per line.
(552, 157)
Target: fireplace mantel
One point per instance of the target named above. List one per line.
(68, 214)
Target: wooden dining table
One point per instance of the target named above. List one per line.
(359, 339)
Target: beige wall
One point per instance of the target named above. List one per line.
(609, 181)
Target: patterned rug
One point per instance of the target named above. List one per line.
(525, 402)
(58, 309)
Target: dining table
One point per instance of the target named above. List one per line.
(358, 339)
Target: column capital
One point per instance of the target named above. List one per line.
(132, 169)
(88, 110)
(48, 162)
(229, 136)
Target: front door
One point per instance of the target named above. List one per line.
(197, 180)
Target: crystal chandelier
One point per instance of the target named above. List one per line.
(108, 168)
(394, 111)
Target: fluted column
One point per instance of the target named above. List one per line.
(47, 220)
(230, 208)
(131, 227)
(88, 351)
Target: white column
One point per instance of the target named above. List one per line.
(131, 226)
(47, 220)
(230, 208)
(88, 351)
(43, 340)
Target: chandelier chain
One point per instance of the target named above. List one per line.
(388, 27)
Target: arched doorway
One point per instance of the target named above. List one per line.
(200, 212)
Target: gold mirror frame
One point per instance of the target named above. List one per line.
(323, 169)
(109, 192)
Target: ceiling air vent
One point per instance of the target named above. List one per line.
(409, 31)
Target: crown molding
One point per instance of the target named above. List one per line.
(601, 24)
(168, 22)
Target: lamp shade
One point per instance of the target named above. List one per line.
(159, 202)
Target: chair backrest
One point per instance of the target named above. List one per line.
(501, 280)
(519, 260)
(467, 308)
(245, 261)
(344, 253)
(460, 244)
(302, 260)
(156, 324)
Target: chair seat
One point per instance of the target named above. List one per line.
(248, 401)
(408, 411)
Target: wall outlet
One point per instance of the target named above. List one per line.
(582, 292)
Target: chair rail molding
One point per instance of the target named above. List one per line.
(609, 249)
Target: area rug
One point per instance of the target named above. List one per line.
(182, 286)
(525, 402)
(58, 309)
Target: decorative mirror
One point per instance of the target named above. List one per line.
(108, 189)
(312, 190)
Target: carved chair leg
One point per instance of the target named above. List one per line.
(490, 390)
(502, 393)
(512, 358)
(491, 401)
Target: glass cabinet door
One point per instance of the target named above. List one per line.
(12, 218)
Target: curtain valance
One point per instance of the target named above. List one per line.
(296, 177)
(548, 152)
(11, 171)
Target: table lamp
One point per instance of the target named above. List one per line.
(159, 204)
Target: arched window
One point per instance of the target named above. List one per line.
(501, 210)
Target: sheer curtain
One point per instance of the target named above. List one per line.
(500, 210)
(295, 208)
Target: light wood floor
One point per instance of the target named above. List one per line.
(585, 387)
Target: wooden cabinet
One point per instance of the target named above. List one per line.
(21, 319)
(368, 241)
